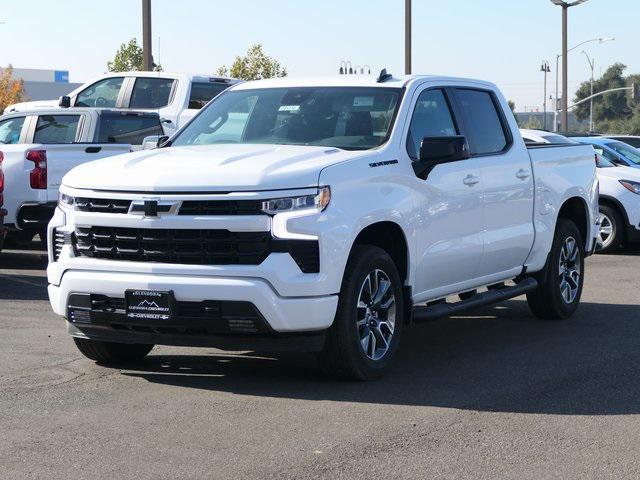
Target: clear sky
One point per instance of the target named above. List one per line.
(499, 40)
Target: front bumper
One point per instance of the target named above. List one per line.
(281, 315)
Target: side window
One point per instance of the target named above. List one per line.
(431, 118)
(606, 154)
(484, 128)
(101, 94)
(202, 92)
(151, 92)
(56, 129)
(128, 128)
(10, 130)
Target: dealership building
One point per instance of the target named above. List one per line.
(44, 84)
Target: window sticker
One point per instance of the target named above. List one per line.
(363, 101)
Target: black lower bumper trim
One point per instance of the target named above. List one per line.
(293, 342)
(35, 216)
(633, 234)
(229, 325)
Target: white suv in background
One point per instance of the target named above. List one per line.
(619, 195)
(177, 97)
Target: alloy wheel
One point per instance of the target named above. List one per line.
(376, 314)
(570, 269)
(606, 232)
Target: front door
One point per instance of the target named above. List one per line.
(448, 245)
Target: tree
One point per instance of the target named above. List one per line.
(129, 58)
(609, 107)
(512, 105)
(255, 65)
(11, 90)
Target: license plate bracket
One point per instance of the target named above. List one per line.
(153, 305)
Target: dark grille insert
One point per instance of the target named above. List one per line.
(221, 207)
(59, 240)
(102, 205)
(199, 247)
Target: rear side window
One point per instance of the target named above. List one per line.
(101, 94)
(56, 129)
(431, 118)
(202, 92)
(151, 93)
(10, 130)
(484, 129)
(128, 128)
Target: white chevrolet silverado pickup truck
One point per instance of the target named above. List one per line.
(38, 147)
(324, 216)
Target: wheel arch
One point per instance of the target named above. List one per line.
(576, 210)
(389, 236)
(615, 203)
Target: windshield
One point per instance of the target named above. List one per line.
(630, 153)
(352, 118)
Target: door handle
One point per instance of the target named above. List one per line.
(523, 174)
(470, 180)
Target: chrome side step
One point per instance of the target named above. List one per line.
(422, 313)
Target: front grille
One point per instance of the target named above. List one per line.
(199, 247)
(221, 207)
(102, 205)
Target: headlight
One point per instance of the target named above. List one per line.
(318, 201)
(631, 186)
(66, 201)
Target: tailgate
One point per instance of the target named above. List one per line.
(62, 158)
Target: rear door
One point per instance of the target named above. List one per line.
(13, 130)
(507, 181)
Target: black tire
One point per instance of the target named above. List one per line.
(108, 352)
(617, 233)
(344, 354)
(547, 300)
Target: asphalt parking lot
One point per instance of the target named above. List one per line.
(493, 394)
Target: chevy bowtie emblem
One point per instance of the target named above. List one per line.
(152, 208)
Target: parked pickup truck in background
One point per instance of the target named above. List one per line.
(619, 201)
(38, 147)
(176, 97)
(321, 215)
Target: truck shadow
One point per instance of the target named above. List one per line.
(496, 359)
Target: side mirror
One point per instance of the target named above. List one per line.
(437, 150)
(150, 142)
(153, 141)
(64, 101)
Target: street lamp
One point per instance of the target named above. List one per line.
(565, 103)
(545, 68)
(555, 110)
(592, 64)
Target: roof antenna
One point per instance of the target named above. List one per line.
(384, 76)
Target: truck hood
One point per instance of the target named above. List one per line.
(209, 168)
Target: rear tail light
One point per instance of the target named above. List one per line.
(38, 176)
(1, 180)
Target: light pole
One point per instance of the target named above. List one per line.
(147, 57)
(565, 102)
(592, 64)
(544, 67)
(407, 37)
(556, 109)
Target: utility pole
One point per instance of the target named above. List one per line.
(545, 68)
(592, 64)
(147, 56)
(407, 37)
